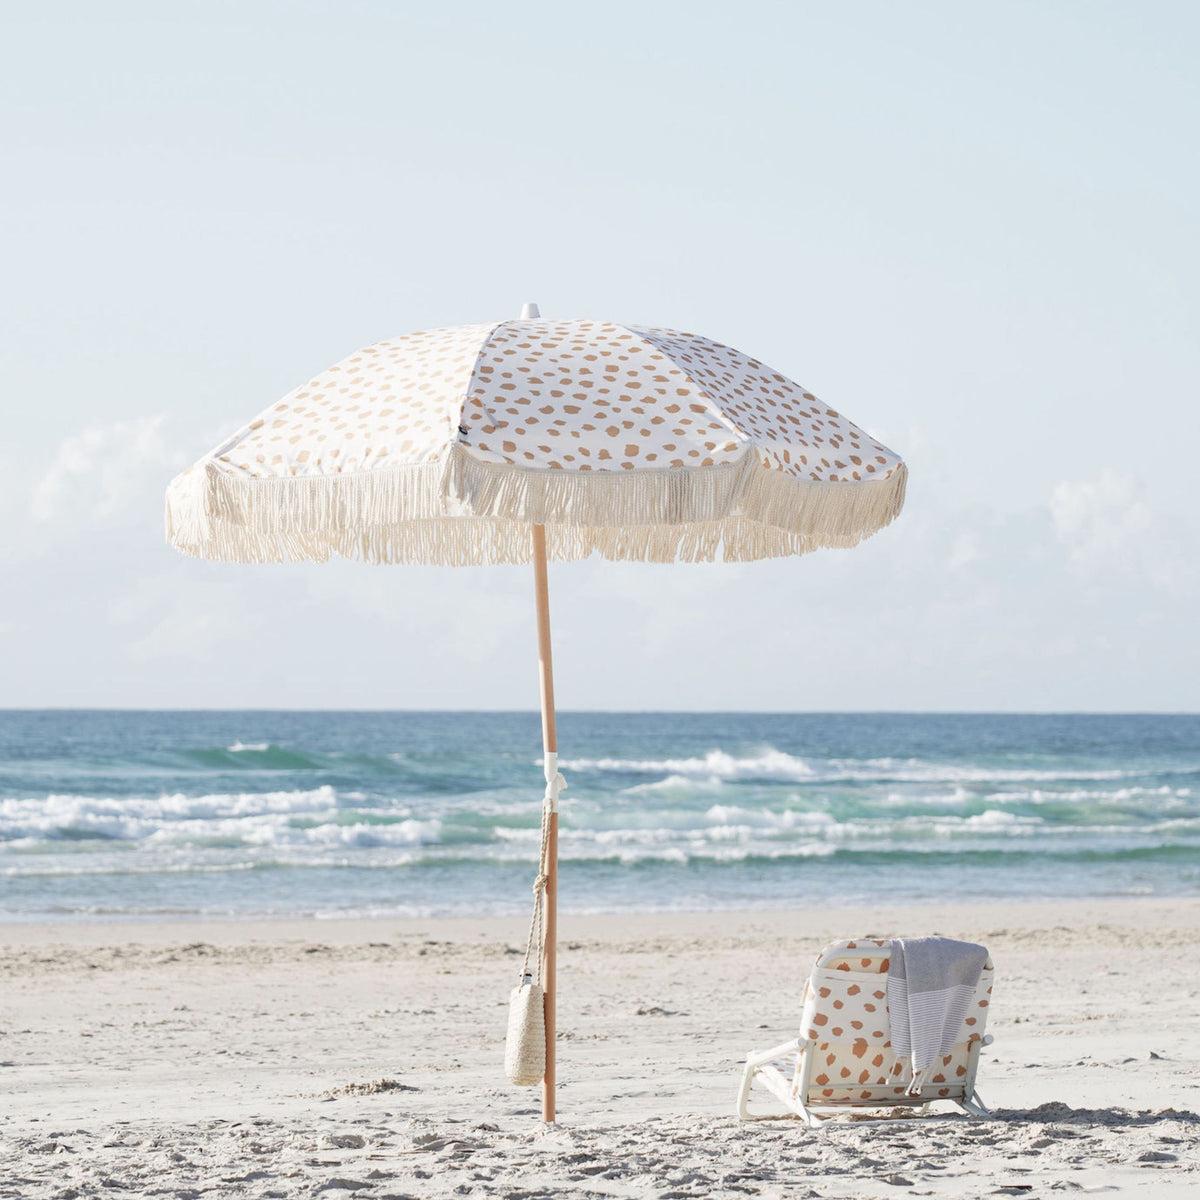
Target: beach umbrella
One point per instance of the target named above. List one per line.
(533, 440)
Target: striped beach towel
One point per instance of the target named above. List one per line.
(931, 982)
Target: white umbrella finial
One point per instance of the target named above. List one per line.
(529, 312)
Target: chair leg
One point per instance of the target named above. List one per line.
(743, 1106)
(792, 1103)
(972, 1104)
(810, 1118)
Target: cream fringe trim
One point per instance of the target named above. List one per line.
(461, 511)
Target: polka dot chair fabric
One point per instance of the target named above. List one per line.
(845, 1017)
(630, 441)
(843, 1059)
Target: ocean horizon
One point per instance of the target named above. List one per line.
(160, 814)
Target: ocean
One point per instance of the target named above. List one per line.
(115, 814)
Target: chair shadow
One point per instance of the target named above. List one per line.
(1057, 1113)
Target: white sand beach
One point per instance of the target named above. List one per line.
(295, 1058)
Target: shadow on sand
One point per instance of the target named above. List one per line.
(1113, 1118)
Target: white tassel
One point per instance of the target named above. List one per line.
(463, 511)
(919, 1080)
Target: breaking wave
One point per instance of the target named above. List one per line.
(716, 764)
(440, 812)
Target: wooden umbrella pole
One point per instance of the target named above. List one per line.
(550, 746)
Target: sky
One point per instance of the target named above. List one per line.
(970, 228)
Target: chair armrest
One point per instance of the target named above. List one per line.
(765, 1056)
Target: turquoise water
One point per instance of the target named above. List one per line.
(156, 814)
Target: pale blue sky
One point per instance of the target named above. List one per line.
(969, 227)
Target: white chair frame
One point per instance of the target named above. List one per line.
(761, 1066)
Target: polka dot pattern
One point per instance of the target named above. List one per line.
(845, 1013)
(627, 441)
(392, 403)
(571, 395)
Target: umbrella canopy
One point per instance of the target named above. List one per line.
(532, 440)
(444, 446)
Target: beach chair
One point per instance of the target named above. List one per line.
(843, 1058)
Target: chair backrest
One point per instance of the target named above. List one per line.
(846, 1016)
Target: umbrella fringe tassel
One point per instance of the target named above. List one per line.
(464, 511)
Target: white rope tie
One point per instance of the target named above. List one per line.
(555, 783)
(555, 786)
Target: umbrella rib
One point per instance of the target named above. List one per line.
(714, 407)
(456, 420)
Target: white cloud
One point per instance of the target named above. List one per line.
(183, 633)
(1103, 519)
(965, 551)
(1109, 525)
(958, 605)
(101, 471)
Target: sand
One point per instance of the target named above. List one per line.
(303, 1058)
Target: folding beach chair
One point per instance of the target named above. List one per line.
(843, 1058)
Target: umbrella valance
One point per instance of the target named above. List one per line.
(444, 446)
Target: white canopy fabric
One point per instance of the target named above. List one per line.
(444, 446)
